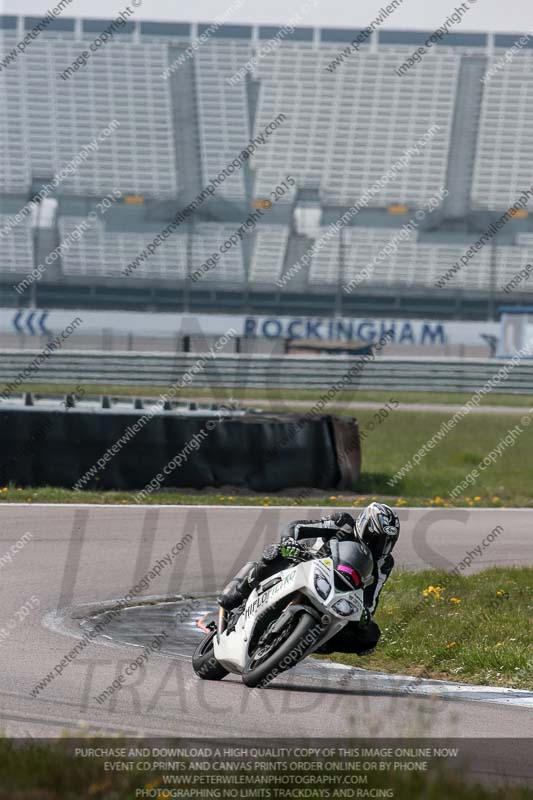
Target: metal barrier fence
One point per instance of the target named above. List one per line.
(261, 372)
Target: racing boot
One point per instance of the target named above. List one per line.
(240, 587)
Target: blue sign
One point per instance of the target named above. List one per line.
(347, 330)
(32, 322)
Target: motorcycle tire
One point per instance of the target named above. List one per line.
(204, 662)
(290, 652)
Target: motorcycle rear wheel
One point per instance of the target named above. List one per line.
(204, 662)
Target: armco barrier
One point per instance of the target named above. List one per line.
(266, 371)
(263, 452)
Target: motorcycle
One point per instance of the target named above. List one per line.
(288, 616)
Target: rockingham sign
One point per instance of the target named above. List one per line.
(404, 332)
(412, 332)
(408, 332)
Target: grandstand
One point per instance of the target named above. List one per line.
(160, 135)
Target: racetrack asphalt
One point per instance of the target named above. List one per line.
(273, 404)
(81, 558)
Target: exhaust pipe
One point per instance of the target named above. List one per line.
(221, 627)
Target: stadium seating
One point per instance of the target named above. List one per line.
(222, 111)
(102, 252)
(16, 247)
(348, 128)
(47, 120)
(105, 253)
(207, 240)
(511, 260)
(269, 253)
(413, 264)
(343, 131)
(505, 145)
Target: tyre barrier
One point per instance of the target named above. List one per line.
(105, 448)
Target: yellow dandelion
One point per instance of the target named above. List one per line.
(455, 600)
(477, 498)
(451, 644)
(333, 497)
(433, 591)
(495, 498)
(499, 644)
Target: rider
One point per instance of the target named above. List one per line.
(377, 526)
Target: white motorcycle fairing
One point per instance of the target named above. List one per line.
(315, 580)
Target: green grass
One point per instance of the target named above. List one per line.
(392, 444)
(486, 638)
(53, 494)
(386, 449)
(281, 395)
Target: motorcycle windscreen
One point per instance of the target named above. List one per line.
(357, 556)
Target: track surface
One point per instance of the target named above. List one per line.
(355, 405)
(90, 555)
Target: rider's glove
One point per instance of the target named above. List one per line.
(290, 548)
(271, 552)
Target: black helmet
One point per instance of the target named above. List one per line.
(378, 525)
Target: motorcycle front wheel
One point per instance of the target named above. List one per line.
(265, 664)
